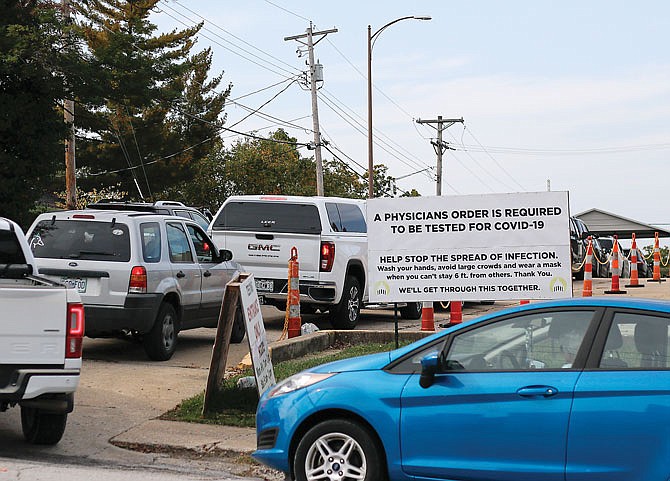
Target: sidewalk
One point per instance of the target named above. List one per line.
(169, 436)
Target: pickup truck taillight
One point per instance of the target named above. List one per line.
(327, 256)
(138, 280)
(75, 330)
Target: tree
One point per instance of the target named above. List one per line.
(340, 180)
(160, 113)
(31, 89)
(382, 185)
(272, 166)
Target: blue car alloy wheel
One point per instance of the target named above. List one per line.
(335, 450)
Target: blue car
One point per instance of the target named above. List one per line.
(569, 390)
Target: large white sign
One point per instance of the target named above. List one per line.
(471, 247)
(258, 343)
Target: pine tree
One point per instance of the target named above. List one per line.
(151, 85)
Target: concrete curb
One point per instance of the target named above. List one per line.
(157, 435)
(300, 346)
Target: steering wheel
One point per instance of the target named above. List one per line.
(507, 355)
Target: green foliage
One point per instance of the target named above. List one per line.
(159, 113)
(255, 166)
(237, 407)
(339, 180)
(95, 195)
(31, 125)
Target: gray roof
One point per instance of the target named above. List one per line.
(605, 223)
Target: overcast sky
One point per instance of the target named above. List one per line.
(572, 92)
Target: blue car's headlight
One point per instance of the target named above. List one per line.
(298, 381)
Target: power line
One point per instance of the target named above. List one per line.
(287, 10)
(290, 73)
(493, 159)
(235, 36)
(263, 104)
(361, 130)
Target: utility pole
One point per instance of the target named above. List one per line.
(315, 75)
(439, 145)
(68, 109)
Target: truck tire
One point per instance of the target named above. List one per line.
(237, 334)
(40, 427)
(411, 311)
(160, 342)
(347, 313)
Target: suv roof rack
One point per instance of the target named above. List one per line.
(169, 202)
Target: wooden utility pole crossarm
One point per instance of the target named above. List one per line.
(440, 145)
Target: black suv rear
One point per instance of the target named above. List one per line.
(165, 207)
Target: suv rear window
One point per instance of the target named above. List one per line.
(269, 217)
(85, 240)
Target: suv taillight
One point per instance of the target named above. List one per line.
(74, 337)
(138, 280)
(327, 256)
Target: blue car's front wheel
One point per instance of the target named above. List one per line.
(339, 449)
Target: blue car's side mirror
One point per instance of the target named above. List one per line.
(429, 366)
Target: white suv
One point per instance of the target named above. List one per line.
(330, 235)
(137, 273)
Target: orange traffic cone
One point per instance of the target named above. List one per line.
(587, 289)
(293, 299)
(616, 271)
(657, 261)
(427, 316)
(634, 279)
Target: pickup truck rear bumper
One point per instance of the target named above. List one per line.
(52, 389)
(310, 291)
(137, 314)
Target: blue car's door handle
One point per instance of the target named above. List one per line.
(537, 391)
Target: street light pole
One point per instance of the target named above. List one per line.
(372, 37)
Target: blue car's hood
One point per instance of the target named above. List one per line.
(362, 363)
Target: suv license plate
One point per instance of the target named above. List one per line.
(79, 284)
(264, 285)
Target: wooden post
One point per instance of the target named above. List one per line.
(217, 367)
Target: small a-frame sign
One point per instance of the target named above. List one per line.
(240, 292)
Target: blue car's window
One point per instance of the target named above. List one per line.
(549, 340)
(636, 341)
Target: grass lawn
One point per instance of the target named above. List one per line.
(237, 407)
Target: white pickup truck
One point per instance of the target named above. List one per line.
(41, 335)
(330, 236)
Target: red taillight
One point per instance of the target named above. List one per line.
(327, 256)
(74, 338)
(138, 280)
